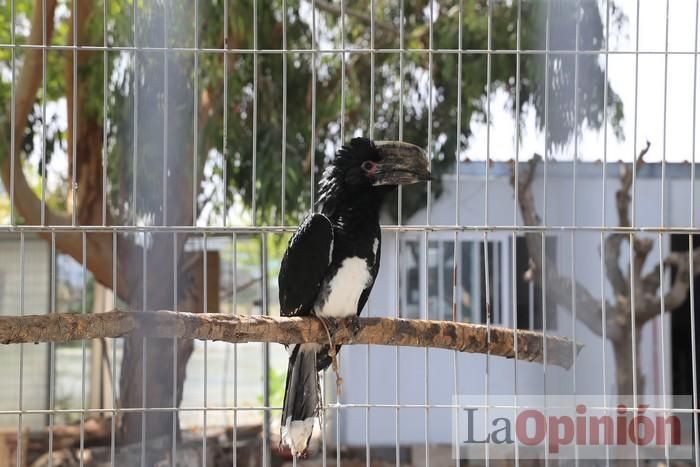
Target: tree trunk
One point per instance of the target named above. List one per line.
(624, 374)
(163, 384)
(154, 358)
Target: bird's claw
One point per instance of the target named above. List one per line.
(333, 326)
(354, 325)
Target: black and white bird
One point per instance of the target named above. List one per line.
(332, 261)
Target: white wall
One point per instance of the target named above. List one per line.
(475, 374)
(36, 301)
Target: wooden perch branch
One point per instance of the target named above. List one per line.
(464, 337)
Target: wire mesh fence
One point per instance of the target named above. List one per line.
(157, 155)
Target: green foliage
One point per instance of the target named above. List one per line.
(54, 84)
(276, 380)
(386, 105)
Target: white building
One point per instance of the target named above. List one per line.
(416, 377)
(34, 299)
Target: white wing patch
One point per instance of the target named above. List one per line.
(343, 291)
(375, 246)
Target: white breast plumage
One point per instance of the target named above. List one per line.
(342, 293)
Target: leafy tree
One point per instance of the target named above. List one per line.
(165, 111)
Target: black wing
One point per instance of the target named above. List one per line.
(375, 270)
(304, 265)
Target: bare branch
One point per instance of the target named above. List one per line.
(641, 247)
(559, 289)
(613, 243)
(464, 337)
(622, 195)
(617, 279)
(677, 294)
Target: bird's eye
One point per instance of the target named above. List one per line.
(369, 166)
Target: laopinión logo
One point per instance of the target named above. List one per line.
(572, 427)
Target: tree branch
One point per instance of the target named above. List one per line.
(365, 18)
(559, 289)
(641, 247)
(25, 200)
(613, 242)
(622, 196)
(612, 264)
(28, 81)
(677, 294)
(464, 337)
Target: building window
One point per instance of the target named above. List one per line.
(429, 271)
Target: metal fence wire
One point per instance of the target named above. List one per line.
(157, 155)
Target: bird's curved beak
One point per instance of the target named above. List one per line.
(401, 164)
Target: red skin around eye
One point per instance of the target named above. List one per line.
(370, 168)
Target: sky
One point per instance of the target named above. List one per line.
(655, 72)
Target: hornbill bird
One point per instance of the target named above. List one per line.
(332, 261)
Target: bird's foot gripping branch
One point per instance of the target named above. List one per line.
(462, 337)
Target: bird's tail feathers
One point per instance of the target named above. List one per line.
(301, 398)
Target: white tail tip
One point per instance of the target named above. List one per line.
(296, 434)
